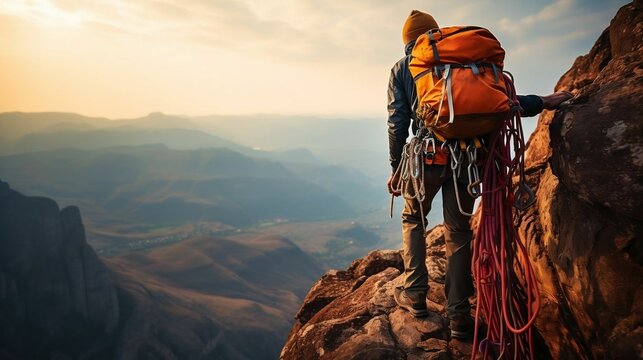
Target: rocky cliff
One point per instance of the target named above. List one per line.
(55, 294)
(584, 234)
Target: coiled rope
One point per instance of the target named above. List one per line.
(411, 172)
(508, 296)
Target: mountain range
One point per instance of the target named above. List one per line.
(159, 179)
(158, 186)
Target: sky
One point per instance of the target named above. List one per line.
(127, 58)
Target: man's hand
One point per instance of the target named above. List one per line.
(555, 100)
(393, 184)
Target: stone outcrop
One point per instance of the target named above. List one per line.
(55, 293)
(351, 314)
(584, 234)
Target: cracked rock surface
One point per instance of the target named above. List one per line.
(351, 314)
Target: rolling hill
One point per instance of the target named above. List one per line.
(154, 186)
(15, 125)
(134, 196)
(267, 269)
(358, 143)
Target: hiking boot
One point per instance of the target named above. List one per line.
(553, 101)
(411, 301)
(462, 327)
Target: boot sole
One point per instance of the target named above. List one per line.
(420, 311)
(462, 335)
(416, 312)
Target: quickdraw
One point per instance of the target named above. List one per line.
(475, 185)
(423, 145)
(457, 159)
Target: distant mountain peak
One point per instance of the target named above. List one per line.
(159, 114)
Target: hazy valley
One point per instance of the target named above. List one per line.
(202, 223)
(194, 216)
(151, 180)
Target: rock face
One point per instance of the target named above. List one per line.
(55, 294)
(585, 232)
(351, 314)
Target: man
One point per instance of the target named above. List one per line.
(458, 283)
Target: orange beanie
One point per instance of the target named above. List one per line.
(417, 24)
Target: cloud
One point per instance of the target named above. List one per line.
(557, 43)
(360, 31)
(560, 17)
(226, 24)
(559, 9)
(561, 30)
(340, 52)
(290, 30)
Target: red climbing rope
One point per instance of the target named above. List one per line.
(508, 296)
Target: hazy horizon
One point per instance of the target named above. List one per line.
(190, 116)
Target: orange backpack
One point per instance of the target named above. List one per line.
(460, 86)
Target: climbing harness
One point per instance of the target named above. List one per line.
(423, 145)
(411, 169)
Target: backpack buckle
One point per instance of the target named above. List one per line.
(433, 31)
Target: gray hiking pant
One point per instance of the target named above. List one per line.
(458, 234)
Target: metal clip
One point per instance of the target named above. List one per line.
(444, 146)
(429, 143)
(475, 185)
(472, 154)
(472, 172)
(523, 197)
(406, 154)
(456, 156)
(475, 189)
(417, 156)
(429, 148)
(456, 159)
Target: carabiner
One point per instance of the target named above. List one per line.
(429, 144)
(523, 197)
(475, 189)
(444, 145)
(472, 154)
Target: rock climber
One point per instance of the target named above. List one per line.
(411, 296)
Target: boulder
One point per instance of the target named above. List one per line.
(360, 319)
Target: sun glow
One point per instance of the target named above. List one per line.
(44, 13)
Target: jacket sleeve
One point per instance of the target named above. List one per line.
(399, 118)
